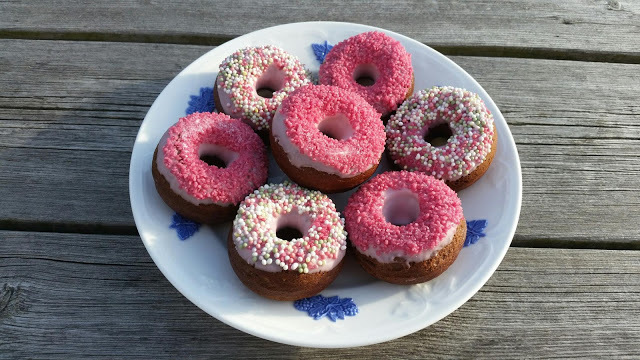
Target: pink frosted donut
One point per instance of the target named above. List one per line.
(467, 140)
(245, 73)
(407, 227)
(374, 56)
(192, 186)
(281, 264)
(327, 138)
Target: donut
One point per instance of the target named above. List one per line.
(206, 164)
(374, 65)
(287, 242)
(327, 138)
(446, 132)
(406, 227)
(252, 82)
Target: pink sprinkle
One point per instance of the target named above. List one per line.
(307, 106)
(202, 181)
(440, 210)
(392, 63)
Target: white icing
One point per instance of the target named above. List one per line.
(401, 207)
(273, 78)
(427, 254)
(336, 126)
(327, 265)
(293, 219)
(301, 222)
(223, 153)
(296, 158)
(173, 182)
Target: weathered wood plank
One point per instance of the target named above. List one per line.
(575, 29)
(67, 127)
(94, 295)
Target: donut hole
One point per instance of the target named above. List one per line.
(438, 135)
(216, 155)
(266, 92)
(401, 207)
(213, 160)
(366, 74)
(336, 127)
(271, 80)
(289, 233)
(292, 225)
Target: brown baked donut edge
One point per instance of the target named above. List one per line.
(284, 285)
(210, 214)
(404, 273)
(476, 174)
(314, 179)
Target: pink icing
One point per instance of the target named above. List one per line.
(308, 106)
(378, 55)
(367, 226)
(227, 185)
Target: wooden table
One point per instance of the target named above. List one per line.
(76, 80)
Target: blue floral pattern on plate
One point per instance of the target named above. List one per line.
(475, 230)
(184, 227)
(321, 50)
(202, 102)
(331, 307)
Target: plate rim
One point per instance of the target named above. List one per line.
(474, 288)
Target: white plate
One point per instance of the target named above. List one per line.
(199, 268)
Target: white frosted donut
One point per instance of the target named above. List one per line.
(246, 72)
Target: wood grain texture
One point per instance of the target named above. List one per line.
(573, 28)
(76, 295)
(67, 128)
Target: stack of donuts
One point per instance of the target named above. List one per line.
(288, 241)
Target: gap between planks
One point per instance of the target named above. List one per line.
(215, 40)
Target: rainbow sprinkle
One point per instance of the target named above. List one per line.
(254, 228)
(241, 70)
(471, 124)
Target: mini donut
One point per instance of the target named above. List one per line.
(406, 227)
(246, 73)
(327, 138)
(463, 135)
(374, 57)
(203, 192)
(287, 267)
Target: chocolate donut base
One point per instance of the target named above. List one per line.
(286, 285)
(403, 273)
(264, 133)
(314, 179)
(210, 214)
